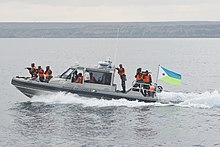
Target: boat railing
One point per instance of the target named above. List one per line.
(140, 86)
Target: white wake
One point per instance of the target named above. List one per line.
(203, 100)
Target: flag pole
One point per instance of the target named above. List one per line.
(157, 74)
(157, 80)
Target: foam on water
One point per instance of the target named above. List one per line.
(200, 100)
(62, 98)
(203, 100)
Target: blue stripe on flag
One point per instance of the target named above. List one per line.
(171, 73)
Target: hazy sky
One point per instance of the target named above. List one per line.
(109, 10)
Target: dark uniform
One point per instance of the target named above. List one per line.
(33, 71)
(40, 73)
(48, 74)
(139, 79)
(148, 80)
(121, 72)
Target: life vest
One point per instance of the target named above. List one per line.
(92, 80)
(147, 78)
(41, 73)
(139, 77)
(121, 71)
(79, 80)
(152, 88)
(33, 70)
(48, 74)
(152, 91)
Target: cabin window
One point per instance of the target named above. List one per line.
(67, 74)
(98, 77)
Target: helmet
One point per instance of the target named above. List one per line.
(120, 65)
(139, 70)
(32, 64)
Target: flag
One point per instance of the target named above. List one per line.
(168, 76)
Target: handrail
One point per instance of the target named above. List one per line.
(141, 86)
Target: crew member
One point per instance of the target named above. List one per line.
(92, 78)
(139, 79)
(139, 75)
(121, 72)
(147, 80)
(80, 78)
(41, 74)
(75, 76)
(147, 77)
(33, 71)
(48, 74)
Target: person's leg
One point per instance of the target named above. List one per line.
(123, 85)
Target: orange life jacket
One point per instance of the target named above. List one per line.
(79, 80)
(41, 73)
(48, 74)
(92, 80)
(146, 78)
(151, 88)
(33, 70)
(139, 77)
(121, 71)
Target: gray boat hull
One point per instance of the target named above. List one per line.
(32, 88)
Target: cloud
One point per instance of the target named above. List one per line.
(109, 10)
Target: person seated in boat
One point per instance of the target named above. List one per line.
(139, 79)
(75, 76)
(40, 72)
(92, 78)
(33, 71)
(48, 74)
(80, 78)
(121, 72)
(147, 80)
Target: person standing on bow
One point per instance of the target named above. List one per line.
(121, 72)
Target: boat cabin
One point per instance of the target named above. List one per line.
(91, 78)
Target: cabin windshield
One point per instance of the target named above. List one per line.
(98, 77)
(67, 73)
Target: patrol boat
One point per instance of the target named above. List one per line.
(102, 87)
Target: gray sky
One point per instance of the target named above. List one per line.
(109, 10)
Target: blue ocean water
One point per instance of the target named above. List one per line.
(70, 120)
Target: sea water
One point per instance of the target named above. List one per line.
(64, 119)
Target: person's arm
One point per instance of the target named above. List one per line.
(28, 68)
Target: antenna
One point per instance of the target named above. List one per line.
(116, 46)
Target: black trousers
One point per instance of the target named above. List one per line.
(41, 79)
(123, 79)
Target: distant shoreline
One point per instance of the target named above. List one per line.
(169, 29)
